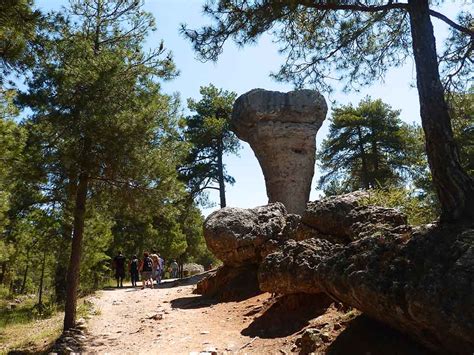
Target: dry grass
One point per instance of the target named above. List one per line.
(35, 335)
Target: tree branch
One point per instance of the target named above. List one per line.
(390, 6)
(453, 24)
(356, 7)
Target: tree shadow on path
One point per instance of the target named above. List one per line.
(193, 302)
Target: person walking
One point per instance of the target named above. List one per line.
(156, 265)
(146, 269)
(134, 270)
(161, 268)
(174, 269)
(119, 266)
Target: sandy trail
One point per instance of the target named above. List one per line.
(172, 320)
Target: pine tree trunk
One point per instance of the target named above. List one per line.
(25, 274)
(3, 272)
(455, 189)
(76, 249)
(60, 273)
(220, 171)
(40, 293)
(363, 157)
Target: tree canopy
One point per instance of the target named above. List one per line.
(18, 22)
(367, 147)
(107, 131)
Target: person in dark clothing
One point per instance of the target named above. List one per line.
(119, 266)
(146, 268)
(134, 270)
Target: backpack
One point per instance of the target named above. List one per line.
(147, 264)
(134, 265)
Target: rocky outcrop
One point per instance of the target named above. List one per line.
(421, 284)
(281, 129)
(419, 281)
(291, 270)
(240, 236)
(344, 218)
(230, 283)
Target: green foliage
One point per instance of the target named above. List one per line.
(418, 209)
(352, 42)
(208, 132)
(18, 23)
(12, 140)
(461, 105)
(462, 120)
(95, 261)
(95, 109)
(456, 59)
(368, 146)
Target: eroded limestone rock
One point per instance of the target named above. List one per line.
(344, 218)
(281, 129)
(421, 284)
(419, 281)
(238, 236)
(230, 283)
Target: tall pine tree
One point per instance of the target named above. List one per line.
(99, 115)
(208, 131)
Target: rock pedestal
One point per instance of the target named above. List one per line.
(281, 129)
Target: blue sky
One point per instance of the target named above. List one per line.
(243, 69)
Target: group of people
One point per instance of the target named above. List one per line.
(150, 268)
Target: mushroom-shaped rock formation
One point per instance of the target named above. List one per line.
(281, 129)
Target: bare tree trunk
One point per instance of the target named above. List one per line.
(455, 189)
(3, 272)
(220, 171)
(363, 157)
(60, 272)
(25, 274)
(40, 293)
(76, 250)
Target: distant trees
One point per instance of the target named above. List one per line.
(209, 134)
(357, 41)
(367, 147)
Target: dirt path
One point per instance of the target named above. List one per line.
(172, 320)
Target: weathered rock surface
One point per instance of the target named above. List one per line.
(422, 284)
(281, 129)
(419, 281)
(291, 270)
(344, 218)
(230, 283)
(239, 236)
(192, 269)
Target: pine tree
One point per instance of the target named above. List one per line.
(367, 147)
(99, 115)
(210, 136)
